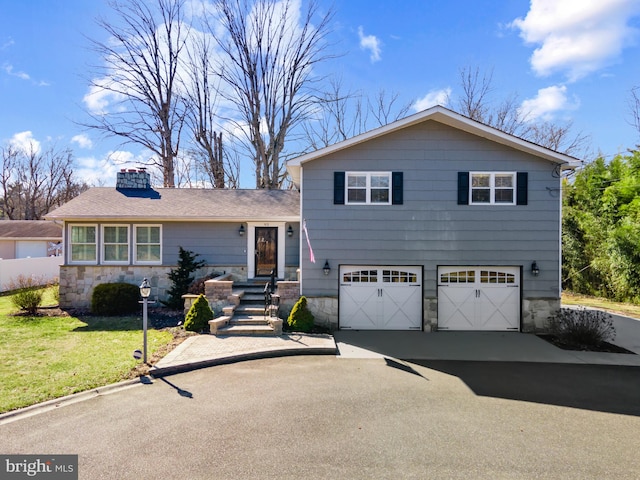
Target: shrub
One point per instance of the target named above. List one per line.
(198, 316)
(181, 277)
(115, 299)
(581, 327)
(300, 319)
(27, 295)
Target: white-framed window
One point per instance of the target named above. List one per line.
(492, 188)
(83, 244)
(115, 244)
(368, 188)
(147, 244)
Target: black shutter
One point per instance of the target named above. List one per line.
(522, 187)
(463, 188)
(396, 188)
(338, 188)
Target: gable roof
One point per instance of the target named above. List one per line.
(447, 117)
(180, 204)
(29, 229)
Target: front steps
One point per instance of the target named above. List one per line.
(246, 314)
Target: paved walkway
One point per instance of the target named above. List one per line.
(208, 350)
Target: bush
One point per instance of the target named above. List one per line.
(198, 316)
(181, 277)
(582, 327)
(115, 299)
(27, 295)
(300, 319)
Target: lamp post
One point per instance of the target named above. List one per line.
(145, 291)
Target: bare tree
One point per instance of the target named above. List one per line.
(35, 182)
(634, 107)
(269, 50)
(141, 58)
(344, 114)
(507, 116)
(202, 109)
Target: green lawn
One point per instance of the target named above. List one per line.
(45, 357)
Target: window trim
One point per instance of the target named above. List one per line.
(71, 244)
(492, 188)
(368, 187)
(103, 244)
(134, 240)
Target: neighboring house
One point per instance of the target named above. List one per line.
(133, 231)
(29, 239)
(433, 222)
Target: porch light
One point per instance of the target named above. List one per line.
(290, 231)
(326, 269)
(241, 230)
(145, 289)
(535, 271)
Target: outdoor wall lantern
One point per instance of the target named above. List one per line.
(290, 231)
(145, 291)
(535, 271)
(241, 230)
(326, 269)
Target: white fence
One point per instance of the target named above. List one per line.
(41, 268)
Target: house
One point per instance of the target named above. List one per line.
(29, 238)
(134, 231)
(433, 222)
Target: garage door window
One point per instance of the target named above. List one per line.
(463, 276)
(398, 276)
(489, 276)
(361, 276)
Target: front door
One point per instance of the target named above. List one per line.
(266, 249)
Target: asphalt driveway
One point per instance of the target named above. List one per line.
(326, 417)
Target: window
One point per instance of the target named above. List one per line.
(115, 243)
(493, 188)
(367, 188)
(148, 245)
(83, 244)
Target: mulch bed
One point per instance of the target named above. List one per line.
(604, 347)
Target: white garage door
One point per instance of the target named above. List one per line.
(380, 297)
(479, 298)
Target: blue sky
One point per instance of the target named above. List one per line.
(566, 60)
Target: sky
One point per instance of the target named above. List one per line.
(568, 60)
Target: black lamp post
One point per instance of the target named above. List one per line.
(145, 291)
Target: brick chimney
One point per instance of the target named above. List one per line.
(133, 178)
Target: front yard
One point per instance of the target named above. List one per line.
(54, 354)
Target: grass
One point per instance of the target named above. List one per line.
(46, 357)
(627, 309)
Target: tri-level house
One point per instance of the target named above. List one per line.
(433, 222)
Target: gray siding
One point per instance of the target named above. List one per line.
(430, 228)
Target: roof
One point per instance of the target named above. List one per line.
(446, 117)
(181, 204)
(29, 229)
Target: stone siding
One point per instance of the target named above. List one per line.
(536, 311)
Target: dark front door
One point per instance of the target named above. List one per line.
(266, 250)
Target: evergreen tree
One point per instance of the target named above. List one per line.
(181, 277)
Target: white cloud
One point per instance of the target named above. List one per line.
(547, 102)
(82, 140)
(9, 69)
(370, 43)
(577, 37)
(25, 142)
(434, 97)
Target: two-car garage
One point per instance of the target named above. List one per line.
(391, 297)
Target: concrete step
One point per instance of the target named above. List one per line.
(252, 310)
(255, 298)
(249, 320)
(232, 329)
